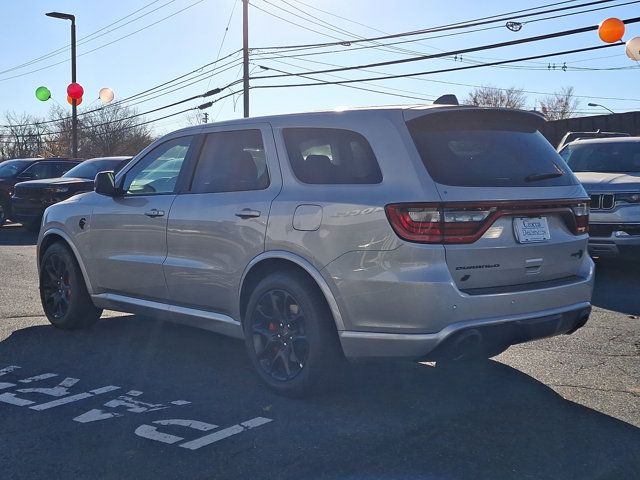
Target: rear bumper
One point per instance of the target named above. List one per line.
(496, 331)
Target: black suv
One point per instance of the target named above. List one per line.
(31, 198)
(22, 169)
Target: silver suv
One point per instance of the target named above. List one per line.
(609, 170)
(439, 232)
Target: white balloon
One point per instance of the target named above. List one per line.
(633, 49)
(106, 95)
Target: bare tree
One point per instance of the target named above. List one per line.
(562, 104)
(194, 117)
(106, 132)
(490, 96)
(23, 136)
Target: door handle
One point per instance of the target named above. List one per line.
(154, 212)
(248, 213)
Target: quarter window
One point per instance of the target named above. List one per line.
(329, 155)
(231, 161)
(157, 172)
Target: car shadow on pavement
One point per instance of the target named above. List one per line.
(387, 420)
(617, 286)
(16, 234)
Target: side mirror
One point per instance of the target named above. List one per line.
(104, 184)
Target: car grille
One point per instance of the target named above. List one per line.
(606, 229)
(603, 201)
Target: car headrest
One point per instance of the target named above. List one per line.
(318, 169)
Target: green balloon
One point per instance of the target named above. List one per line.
(43, 94)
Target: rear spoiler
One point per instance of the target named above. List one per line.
(453, 115)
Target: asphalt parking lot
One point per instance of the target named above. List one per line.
(135, 397)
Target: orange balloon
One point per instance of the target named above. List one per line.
(611, 30)
(70, 100)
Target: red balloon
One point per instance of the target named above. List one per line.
(75, 90)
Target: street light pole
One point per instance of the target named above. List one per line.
(74, 106)
(602, 106)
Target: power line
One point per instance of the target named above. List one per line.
(430, 80)
(390, 47)
(323, 82)
(430, 72)
(537, 38)
(85, 38)
(199, 107)
(106, 44)
(454, 26)
(150, 91)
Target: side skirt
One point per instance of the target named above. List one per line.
(203, 319)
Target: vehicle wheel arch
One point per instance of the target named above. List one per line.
(54, 235)
(272, 261)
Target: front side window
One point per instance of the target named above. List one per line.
(157, 172)
(231, 161)
(331, 156)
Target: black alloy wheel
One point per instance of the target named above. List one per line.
(279, 336)
(63, 292)
(290, 335)
(56, 286)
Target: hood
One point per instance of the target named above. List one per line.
(600, 182)
(47, 182)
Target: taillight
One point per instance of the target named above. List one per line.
(449, 223)
(581, 214)
(429, 223)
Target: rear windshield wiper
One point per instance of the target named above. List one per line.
(536, 177)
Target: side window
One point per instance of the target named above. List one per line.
(329, 155)
(40, 170)
(231, 161)
(157, 172)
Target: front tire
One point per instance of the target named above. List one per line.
(290, 335)
(63, 292)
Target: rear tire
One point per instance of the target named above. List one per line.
(290, 335)
(63, 292)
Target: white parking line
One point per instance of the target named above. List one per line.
(227, 432)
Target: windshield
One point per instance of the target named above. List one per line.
(11, 168)
(90, 168)
(609, 157)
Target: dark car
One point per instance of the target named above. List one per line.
(30, 199)
(21, 169)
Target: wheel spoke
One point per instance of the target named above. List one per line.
(48, 268)
(285, 361)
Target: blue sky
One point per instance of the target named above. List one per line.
(192, 38)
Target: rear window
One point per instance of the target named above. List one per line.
(477, 148)
(623, 157)
(331, 156)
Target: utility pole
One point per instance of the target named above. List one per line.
(205, 118)
(245, 56)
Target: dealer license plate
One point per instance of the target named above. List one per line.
(531, 229)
